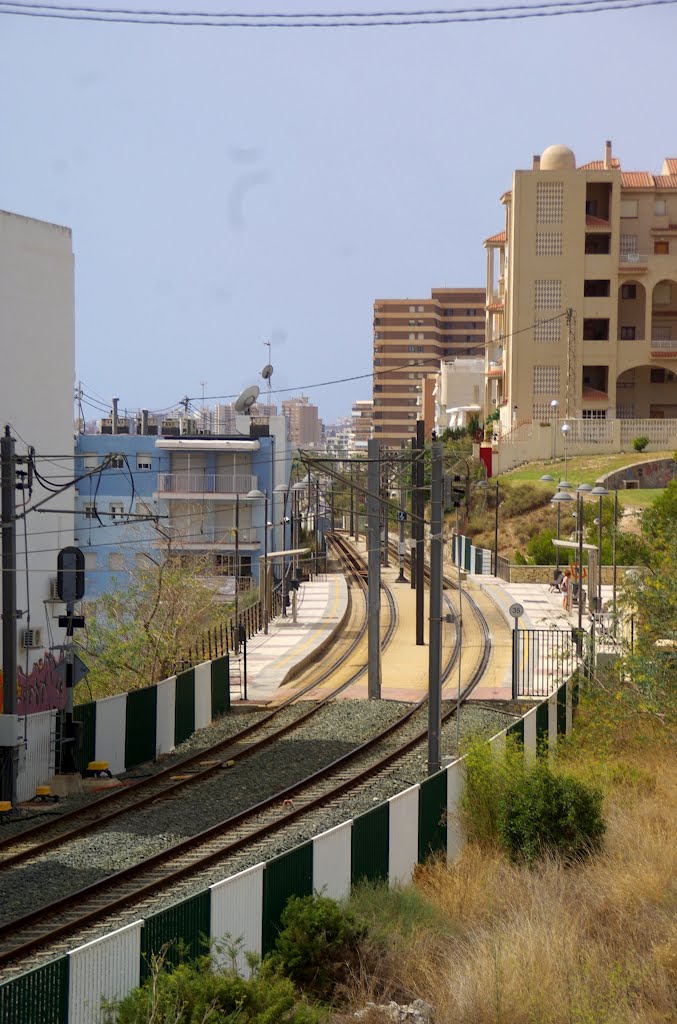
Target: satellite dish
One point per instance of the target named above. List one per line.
(267, 372)
(247, 399)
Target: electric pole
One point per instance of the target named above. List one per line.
(435, 626)
(374, 571)
(9, 613)
(418, 526)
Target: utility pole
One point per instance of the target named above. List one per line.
(374, 571)
(420, 512)
(402, 517)
(435, 627)
(352, 500)
(414, 509)
(9, 614)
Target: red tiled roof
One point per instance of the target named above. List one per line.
(494, 239)
(594, 395)
(598, 165)
(496, 307)
(670, 229)
(637, 179)
(666, 180)
(671, 164)
(596, 222)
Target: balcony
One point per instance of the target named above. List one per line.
(495, 369)
(202, 485)
(663, 348)
(633, 263)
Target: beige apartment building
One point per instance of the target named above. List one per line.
(581, 313)
(362, 420)
(303, 420)
(411, 338)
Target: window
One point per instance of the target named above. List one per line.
(419, 309)
(116, 560)
(143, 462)
(595, 329)
(116, 510)
(420, 335)
(548, 243)
(412, 335)
(628, 245)
(662, 294)
(660, 208)
(591, 207)
(548, 294)
(629, 291)
(471, 312)
(661, 247)
(549, 202)
(657, 375)
(594, 414)
(628, 332)
(90, 561)
(91, 461)
(90, 511)
(412, 309)
(629, 207)
(144, 561)
(597, 244)
(117, 461)
(596, 288)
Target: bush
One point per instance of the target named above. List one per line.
(640, 443)
(527, 809)
(516, 499)
(195, 992)
(317, 946)
(545, 813)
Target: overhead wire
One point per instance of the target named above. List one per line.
(335, 19)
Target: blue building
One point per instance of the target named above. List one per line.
(180, 493)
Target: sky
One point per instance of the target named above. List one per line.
(226, 187)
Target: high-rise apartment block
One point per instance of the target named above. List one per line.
(304, 423)
(362, 420)
(581, 311)
(411, 338)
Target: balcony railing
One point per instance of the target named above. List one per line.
(664, 348)
(198, 484)
(633, 259)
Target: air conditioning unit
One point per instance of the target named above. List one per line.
(53, 592)
(31, 638)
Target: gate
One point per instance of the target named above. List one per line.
(543, 659)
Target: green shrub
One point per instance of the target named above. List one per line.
(541, 550)
(516, 499)
(640, 443)
(526, 808)
(317, 945)
(196, 993)
(544, 813)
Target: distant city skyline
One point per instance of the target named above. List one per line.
(226, 188)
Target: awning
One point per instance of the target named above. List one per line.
(207, 444)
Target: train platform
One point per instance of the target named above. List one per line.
(273, 657)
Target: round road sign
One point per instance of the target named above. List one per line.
(516, 610)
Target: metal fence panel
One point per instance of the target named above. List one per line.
(108, 968)
(542, 660)
(181, 929)
(140, 726)
(166, 713)
(39, 997)
(370, 845)
(203, 695)
(529, 733)
(111, 723)
(84, 752)
(220, 686)
(332, 860)
(455, 834)
(432, 813)
(236, 915)
(184, 706)
(36, 759)
(290, 874)
(403, 835)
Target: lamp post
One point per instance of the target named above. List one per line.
(564, 484)
(283, 490)
(557, 499)
(297, 490)
(554, 405)
(600, 491)
(237, 573)
(496, 531)
(256, 495)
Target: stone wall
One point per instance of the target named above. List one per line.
(656, 473)
(545, 573)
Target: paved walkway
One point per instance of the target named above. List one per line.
(321, 607)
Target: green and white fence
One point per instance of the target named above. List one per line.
(383, 844)
(138, 726)
(461, 551)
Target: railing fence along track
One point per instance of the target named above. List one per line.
(542, 659)
(384, 844)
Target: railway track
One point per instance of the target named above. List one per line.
(209, 761)
(49, 924)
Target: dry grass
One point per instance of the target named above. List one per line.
(591, 944)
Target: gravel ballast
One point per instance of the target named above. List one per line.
(133, 837)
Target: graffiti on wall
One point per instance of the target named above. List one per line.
(44, 687)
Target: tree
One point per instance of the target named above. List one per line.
(138, 634)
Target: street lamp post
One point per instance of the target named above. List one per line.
(256, 495)
(557, 499)
(284, 492)
(554, 405)
(565, 433)
(496, 531)
(601, 492)
(237, 573)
